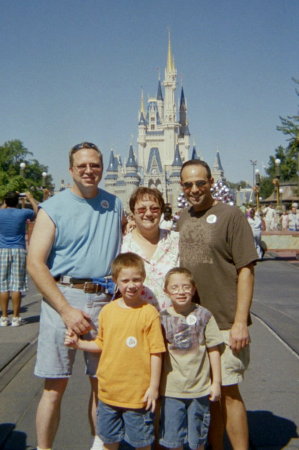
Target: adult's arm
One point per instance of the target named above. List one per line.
(239, 334)
(33, 202)
(40, 246)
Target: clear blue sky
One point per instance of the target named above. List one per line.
(72, 70)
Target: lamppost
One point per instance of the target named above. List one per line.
(276, 182)
(22, 168)
(45, 190)
(44, 175)
(257, 188)
(253, 163)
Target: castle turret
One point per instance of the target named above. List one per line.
(217, 169)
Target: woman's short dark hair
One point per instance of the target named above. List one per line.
(152, 194)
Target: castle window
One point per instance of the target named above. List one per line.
(152, 127)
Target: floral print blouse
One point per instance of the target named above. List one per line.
(166, 257)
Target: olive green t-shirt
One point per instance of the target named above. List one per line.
(214, 244)
(186, 369)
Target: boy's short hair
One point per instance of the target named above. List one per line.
(179, 270)
(125, 260)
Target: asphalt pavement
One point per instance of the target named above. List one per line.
(270, 388)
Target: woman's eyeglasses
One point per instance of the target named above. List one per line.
(152, 209)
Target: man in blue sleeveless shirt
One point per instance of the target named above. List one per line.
(76, 236)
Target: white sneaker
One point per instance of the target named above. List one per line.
(97, 444)
(4, 322)
(16, 321)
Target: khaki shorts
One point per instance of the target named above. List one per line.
(233, 365)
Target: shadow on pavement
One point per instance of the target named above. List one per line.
(12, 440)
(270, 431)
(32, 319)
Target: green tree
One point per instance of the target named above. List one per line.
(287, 166)
(266, 187)
(290, 127)
(12, 154)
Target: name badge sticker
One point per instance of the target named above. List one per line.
(191, 319)
(212, 218)
(131, 342)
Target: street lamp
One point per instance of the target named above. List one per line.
(45, 190)
(44, 175)
(253, 163)
(276, 182)
(257, 188)
(22, 168)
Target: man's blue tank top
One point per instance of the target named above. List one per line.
(88, 233)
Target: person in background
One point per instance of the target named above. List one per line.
(76, 236)
(167, 220)
(13, 278)
(284, 220)
(294, 218)
(158, 248)
(256, 225)
(216, 245)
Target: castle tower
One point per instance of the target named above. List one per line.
(217, 169)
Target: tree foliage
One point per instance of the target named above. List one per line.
(12, 154)
(288, 156)
(290, 127)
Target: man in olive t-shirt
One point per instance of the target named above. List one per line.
(216, 245)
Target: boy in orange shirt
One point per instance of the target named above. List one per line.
(130, 341)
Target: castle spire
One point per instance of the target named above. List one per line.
(170, 60)
(184, 129)
(142, 103)
(159, 93)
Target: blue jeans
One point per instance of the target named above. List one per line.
(135, 426)
(184, 421)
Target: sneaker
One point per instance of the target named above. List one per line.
(97, 444)
(4, 322)
(16, 321)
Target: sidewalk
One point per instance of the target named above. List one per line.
(270, 390)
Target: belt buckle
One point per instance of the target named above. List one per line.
(92, 288)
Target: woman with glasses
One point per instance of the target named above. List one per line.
(158, 248)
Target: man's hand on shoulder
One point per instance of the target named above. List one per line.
(239, 336)
(75, 319)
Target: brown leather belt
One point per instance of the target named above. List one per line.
(87, 286)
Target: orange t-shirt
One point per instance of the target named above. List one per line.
(127, 338)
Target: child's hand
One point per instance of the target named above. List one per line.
(150, 398)
(71, 339)
(215, 393)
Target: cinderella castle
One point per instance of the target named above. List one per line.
(163, 144)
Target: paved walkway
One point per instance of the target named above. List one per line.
(270, 389)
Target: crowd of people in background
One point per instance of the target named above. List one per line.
(275, 219)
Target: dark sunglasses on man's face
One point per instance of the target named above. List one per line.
(198, 183)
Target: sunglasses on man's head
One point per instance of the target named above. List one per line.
(85, 145)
